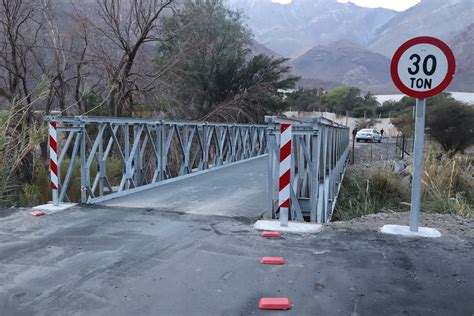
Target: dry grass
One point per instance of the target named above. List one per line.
(368, 192)
(448, 188)
(19, 140)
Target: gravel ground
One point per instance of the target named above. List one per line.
(367, 153)
(448, 225)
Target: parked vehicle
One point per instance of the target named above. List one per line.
(368, 134)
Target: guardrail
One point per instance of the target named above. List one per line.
(320, 152)
(148, 152)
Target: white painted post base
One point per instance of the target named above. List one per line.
(405, 231)
(51, 208)
(293, 227)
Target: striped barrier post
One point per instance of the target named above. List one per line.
(285, 172)
(53, 160)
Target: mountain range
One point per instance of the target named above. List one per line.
(343, 43)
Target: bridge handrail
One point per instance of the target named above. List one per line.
(149, 151)
(100, 119)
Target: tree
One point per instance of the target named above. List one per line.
(402, 111)
(392, 108)
(125, 28)
(366, 123)
(256, 91)
(451, 123)
(215, 77)
(404, 123)
(19, 32)
(304, 99)
(342, 99)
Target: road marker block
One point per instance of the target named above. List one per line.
(271, 234)
(275, 303)
(37, 213)
(272, 260)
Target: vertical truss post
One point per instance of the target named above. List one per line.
(161, 150)
(137, 159)
(128, 171)
(205, 148)
(84, 168)
(314, 179)
(101, 165)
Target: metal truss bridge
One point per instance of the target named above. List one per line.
(200, 167)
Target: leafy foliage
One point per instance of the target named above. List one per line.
(305, 99)
(448, 121)
(349, 99)
(214, 77)
(404, 123)
(451, 123)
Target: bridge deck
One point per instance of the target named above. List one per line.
(234, 190)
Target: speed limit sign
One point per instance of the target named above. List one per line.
(423, 67)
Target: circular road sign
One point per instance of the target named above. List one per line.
(423, 67)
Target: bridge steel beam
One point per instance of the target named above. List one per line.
(320, 152)
(118, 156)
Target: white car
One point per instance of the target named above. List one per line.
(368, 134)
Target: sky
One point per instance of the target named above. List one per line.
(399, 5)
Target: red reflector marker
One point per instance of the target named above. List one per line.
(272, 260)
(270, 234)
(274, 303)
(37, 213)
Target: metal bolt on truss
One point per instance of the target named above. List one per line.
(320, 151)
(145, 152)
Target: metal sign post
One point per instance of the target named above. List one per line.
(421, 68)
(417, 164)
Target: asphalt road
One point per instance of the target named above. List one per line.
(119, 261)
(235, 190)
(169, 251)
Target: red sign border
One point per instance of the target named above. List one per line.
(423, 40)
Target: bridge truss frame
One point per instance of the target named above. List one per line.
(148, 151)
(320, 153)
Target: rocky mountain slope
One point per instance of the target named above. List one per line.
(259, 48)
(463, 48)
(439, 18)
(344, 62)
(294, 28)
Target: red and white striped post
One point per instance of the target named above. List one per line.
(285, 172)
(53, 160)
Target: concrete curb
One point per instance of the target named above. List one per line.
(293, 227)
(405, 231)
